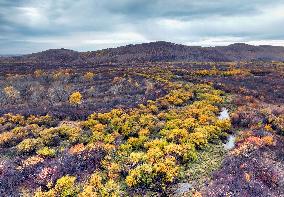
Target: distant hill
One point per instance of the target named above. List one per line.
(153, 51)
(51, 56)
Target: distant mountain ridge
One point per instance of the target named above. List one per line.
(153, 51)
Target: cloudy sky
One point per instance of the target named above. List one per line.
(34, 25)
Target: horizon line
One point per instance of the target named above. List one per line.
(139, 43)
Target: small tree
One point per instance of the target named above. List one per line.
(75, 98)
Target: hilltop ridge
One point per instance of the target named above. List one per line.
(153, 52)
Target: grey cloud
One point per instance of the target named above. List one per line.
(185, 9)
(32, 25)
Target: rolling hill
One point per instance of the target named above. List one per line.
(152, 52)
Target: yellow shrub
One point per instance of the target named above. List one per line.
(32, 119)
(189, 152)
(109, 147)
(267, 127)
(174, 124)
(104, 117)
(198, 138)
(142, 173)
(75, 98)
(11, 92)
(98, 127)
(71, 132)
(188, 123)
(137, 142)
(89, 75)
(225, 124)
(28, 145)
(268, 140)
(65, 186)
(97, 187)
(160, 143)
(46, 152)
(6, 138)
(175, 135)
(168, 168)
(211, 98)
(96, 180)
(136, 157)
(154, 154)
(111, 188)
(144, 132)
(2, 120)
(173, 148)
(38, 73)
(113, 170)
(178, 97)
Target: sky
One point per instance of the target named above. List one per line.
(28, 26)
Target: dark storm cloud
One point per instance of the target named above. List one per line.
(32, 25)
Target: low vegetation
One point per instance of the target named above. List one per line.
(130, 131)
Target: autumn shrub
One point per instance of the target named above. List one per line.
(29, 145)
(214, 72)
(78, 148)
(156, 140)
(98, 185)
(46, 152)
(65, 186)
(178, 97)
(198, 138)
(146, 174)
(89, 76)
(127, 150)
(14, 136)
(11, 92)
(279, 124)
(53, 136)
(75, 98)
(38, 73)
(6, 138)
(31, 161)
(179, 137)
(40, 120)
(14, 118)
(249, 143)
